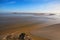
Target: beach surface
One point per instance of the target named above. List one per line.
(39, 27)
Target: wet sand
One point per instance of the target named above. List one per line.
(33, 25)
(51, 32)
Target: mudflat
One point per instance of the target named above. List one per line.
(37, 26)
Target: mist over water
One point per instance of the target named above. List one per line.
(18, 14)
(7, 19)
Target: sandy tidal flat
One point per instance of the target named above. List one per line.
(38, 27)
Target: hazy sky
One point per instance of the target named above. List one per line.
(52, 6)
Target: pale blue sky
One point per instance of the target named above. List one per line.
(45, 6)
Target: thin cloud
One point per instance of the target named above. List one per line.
(12, 2)
(52, 7)
(7, 2)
